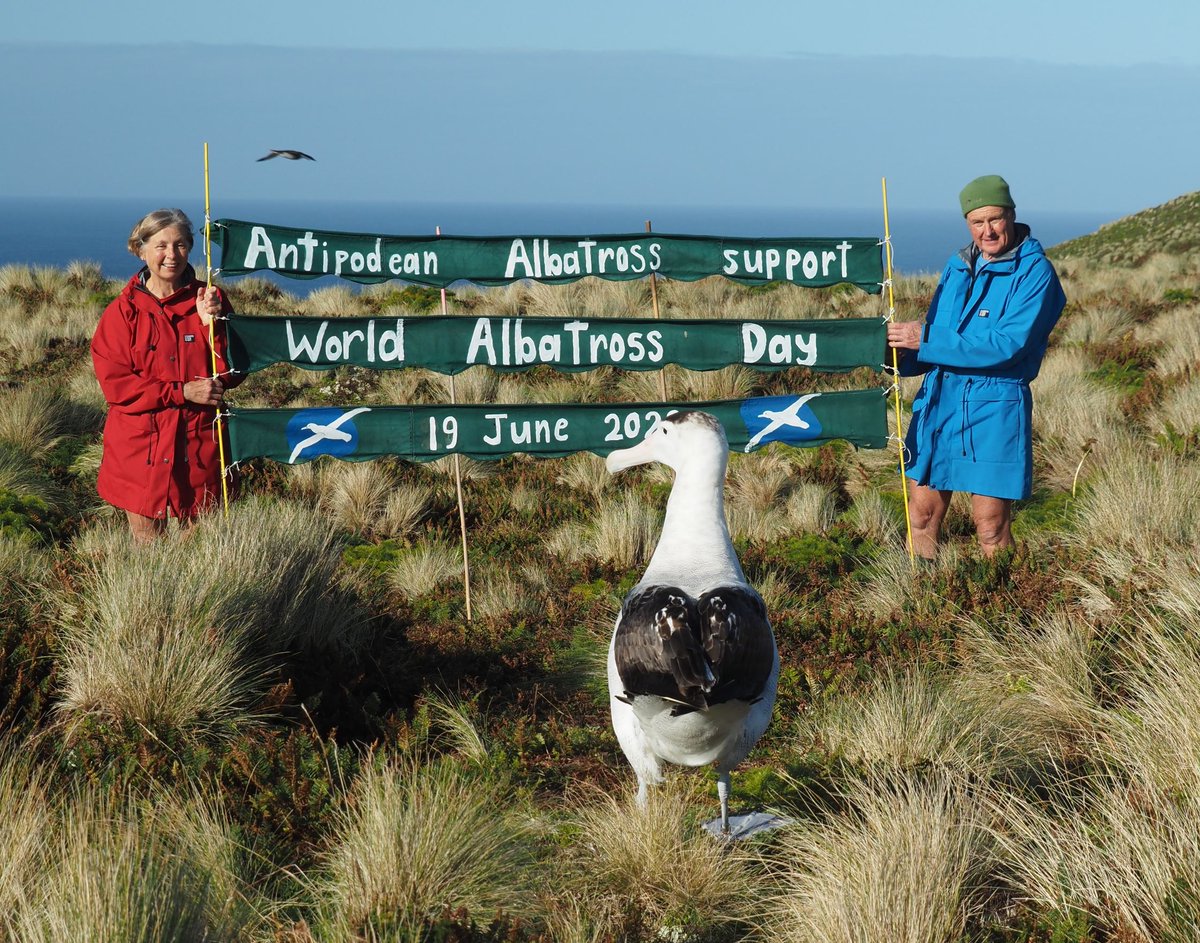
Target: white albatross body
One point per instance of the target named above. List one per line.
(692, 665)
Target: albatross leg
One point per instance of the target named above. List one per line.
(723, 795)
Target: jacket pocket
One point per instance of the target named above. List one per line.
(993, 422)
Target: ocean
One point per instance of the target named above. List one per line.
(54, 232)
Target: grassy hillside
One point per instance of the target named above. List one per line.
(1171, 229)
(283, 727)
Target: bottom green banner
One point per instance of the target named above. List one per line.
(493, 431)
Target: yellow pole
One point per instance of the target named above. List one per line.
(891, 315)
(212, 333)
(462, 516)
(662, 376)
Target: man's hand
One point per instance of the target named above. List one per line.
(904, 335)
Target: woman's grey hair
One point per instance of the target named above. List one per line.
(156, 222)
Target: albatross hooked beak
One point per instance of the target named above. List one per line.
(638, 454)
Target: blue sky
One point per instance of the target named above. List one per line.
(1082, 105)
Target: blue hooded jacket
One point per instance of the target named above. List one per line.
(984, 339)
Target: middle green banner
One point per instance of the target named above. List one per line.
(450, 345)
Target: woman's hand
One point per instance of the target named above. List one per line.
(208, 304)
(206, 391)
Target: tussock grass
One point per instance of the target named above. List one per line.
(1130, 860)
(892, 583)
(469, 469)
(1102, 324)
(874, 518)
(584, 472)
(1035, 686)
(172, 636)
(1177, 340)
(25, 823)
(1147, 506)
(1075, 421)
(113, 869)
(1179, 410)
(623, 531)
(653, 869)
(140, 646)
(34, 418)
(426, 567)
(370, 498)
(904, 720)
(811, 508)
(476, 385)
(501, 592)
(331, 301)
(904, 865)
(417, 838)
(1156, 738)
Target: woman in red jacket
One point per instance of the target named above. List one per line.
(152, 357)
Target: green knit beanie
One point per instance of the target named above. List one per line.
(990, 190)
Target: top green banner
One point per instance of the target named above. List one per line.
(440, 261)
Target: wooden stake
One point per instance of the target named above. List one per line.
(458, 491)
(662, 374)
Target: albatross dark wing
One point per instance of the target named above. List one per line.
(658, 649)
(738, 642)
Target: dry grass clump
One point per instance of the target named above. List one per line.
(1156, 736)
(20, 476)
(139, 645)
(417, 838)
(903, 865)
(368, 498)
(904, 720)
(811, 508)
(584, 472)
(1035, 684)
(894, 583)
(1076, 421)
(1179, 410)
(35, 417)
(424, 568)
(650, 872)
(172, 635)
(476, 385)
(331, 301)
(1148, 506)
(115, 868)
(502, 592)
(25, 822)
(1101, 324)
(876, 520)
(624, 531)
(1176, 336)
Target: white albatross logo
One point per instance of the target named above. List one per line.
(780, 418)
(322, 432)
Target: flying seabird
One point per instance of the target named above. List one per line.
(692, 666)
(289, 154)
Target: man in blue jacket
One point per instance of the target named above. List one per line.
(980, 345)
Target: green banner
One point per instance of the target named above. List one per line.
(453, 344)
(497, 260)
(492, 431)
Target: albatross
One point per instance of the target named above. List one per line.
(692, 665)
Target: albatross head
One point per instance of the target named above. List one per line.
(681, 438)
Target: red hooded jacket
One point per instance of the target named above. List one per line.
(160, 452)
